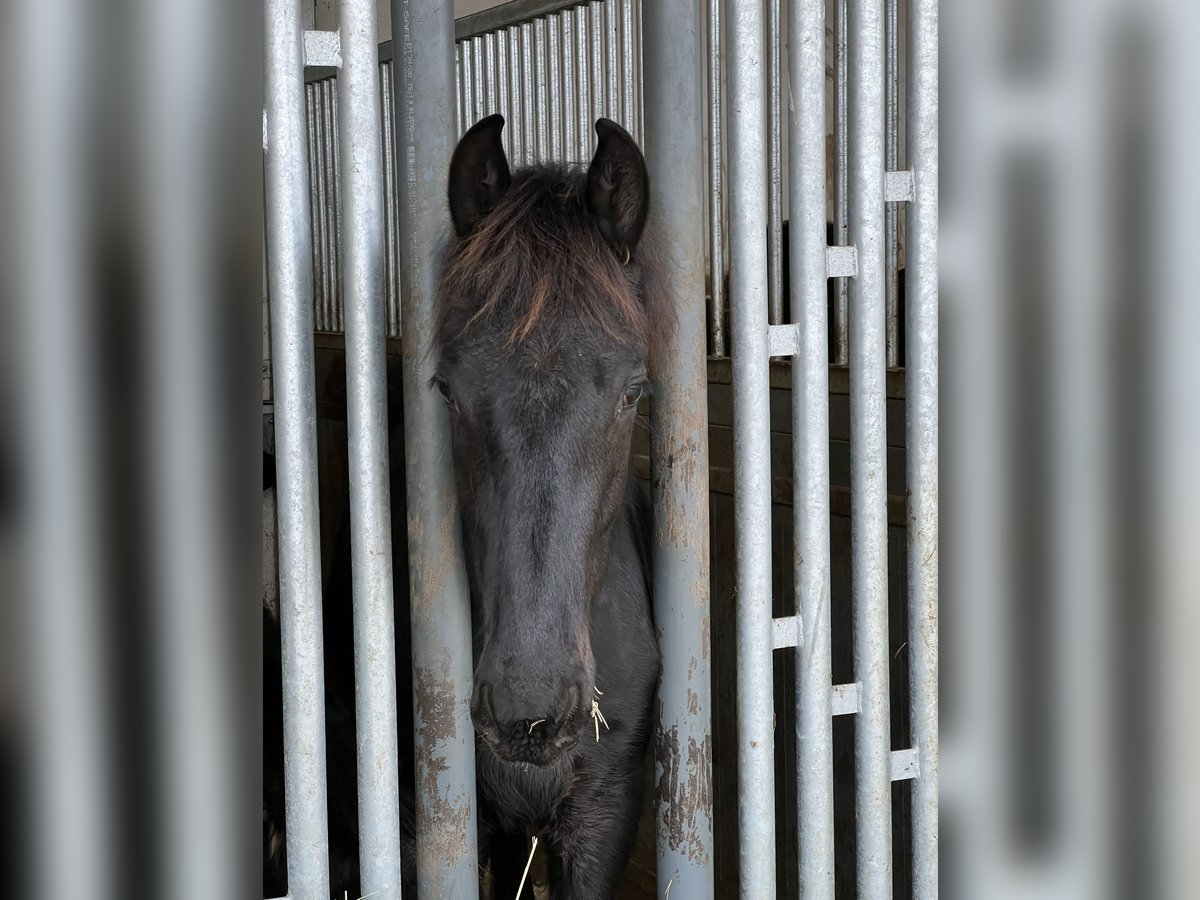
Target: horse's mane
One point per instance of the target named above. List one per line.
(538, 262)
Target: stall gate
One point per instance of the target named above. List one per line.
(356, 213)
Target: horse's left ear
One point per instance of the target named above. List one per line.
(618, 188)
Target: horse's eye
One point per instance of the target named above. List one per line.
(443, 387)
(632, 395)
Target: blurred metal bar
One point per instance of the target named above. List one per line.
(582, 78)
(751, 447)
(921, 441)
(596, 54)
(290, 256)
(504, 86)
(529, 105)
(570, 96)
(361, 136)
(467, 52)
(841, 175)
(554, 62)
(515, 126)
(868, 452)
(614, 64)
(490, 67)
(334, 211)
(459, 81)
(391, 252)
(447, 857)
(541, 83)
(891, 162)
(679, 455)
(774, 168)
(481, 109)
(810, 454)
(323, 274)
(716, 195)
(630, 86)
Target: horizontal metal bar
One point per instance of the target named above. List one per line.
(845, 699)
(906, 765)
(783, 340)
(841, 262)
(898, 186)
(786, 633)
(322, 49)
(503, 15)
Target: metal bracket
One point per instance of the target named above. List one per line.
(899, 187)
(844, 699)
(322, 49)
(841, 262)
(905, 764)
(787, 629)
(783, 340)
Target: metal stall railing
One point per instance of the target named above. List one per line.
(679, 454)
(866, 185)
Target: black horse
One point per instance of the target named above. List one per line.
(551, 311)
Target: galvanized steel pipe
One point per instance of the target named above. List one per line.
(810, 430)
(289, 251)
(447, 856)
(716, 196)
(361, 187)
(751, 444)
(841, 175)
(921, 399)
(679, 455)
(868, 449)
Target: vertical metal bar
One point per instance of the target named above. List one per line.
(478, 75)
(489, 67)
(716, 196)
(596, 56)
(612, 59)
(892, 155)
(570, 117)
(581, 71)
(921, 403)
(628, 85)
(319, 314)
(322, 285)
(391, 246)
(528, 95)
(868, 448)
(447, 857)
(751, 446)
(360, 139)
(810, 429)
(841, 176)
(290, 257)
(333, 147)
(679, 453)
(504, 89)
(459, 81)
(554, 61)
(543, 89)
(516, 126)
(468, 83)
(775, 168)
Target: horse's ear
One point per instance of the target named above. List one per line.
(618, 188)
(479, 174)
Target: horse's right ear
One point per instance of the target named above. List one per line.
(479, 174)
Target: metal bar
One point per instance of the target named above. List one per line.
(459, 82)
(898, 186)
(360, 140)
(843, 699)
(905, 764)
(320, 315)
(322, 49)
(480, 97)
(505, 14)
(596, 55)
(529, 96)
(447, 857)
(490, 67)
(716, 196)
(841, 176)
(751, 447)
(324, 283)
(841, 262)
(582, 77)
(891, 158)
(515, 129)
(921, 441)
(868, 449)
(629, 86)
(783, 340)
(810, 455)
(786, 633)
(570, 119)
(334, 212)
(290, 256)
(679, 456)
(468, 83)
(774, 168)
(543, 89)
(554, 60)
(613, 63)
(391, 243)
(505, 75)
